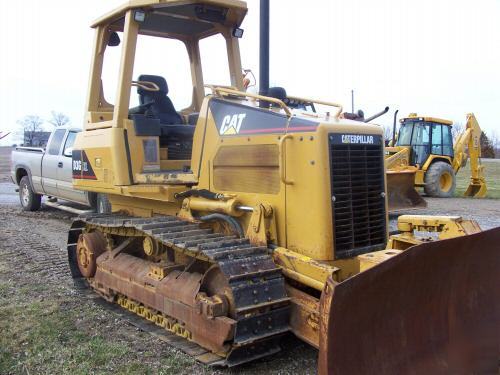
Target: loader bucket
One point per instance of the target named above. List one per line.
(476, 190)
(401, 193)
(433, 309)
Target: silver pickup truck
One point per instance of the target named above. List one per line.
(48, 172)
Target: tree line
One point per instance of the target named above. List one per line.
(30, 125)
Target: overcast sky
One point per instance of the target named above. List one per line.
(435, 57)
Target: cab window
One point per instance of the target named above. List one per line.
(166, 58)
(68, 145)
(420, 141)
(437, 140)
(55, 142)
(447, 141)
(110, 72)
(404, 137)
(214, 61)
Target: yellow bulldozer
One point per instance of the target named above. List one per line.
(237, 221)
(424, 152)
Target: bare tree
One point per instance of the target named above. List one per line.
(456, 130)
(30, 125)
(58, 119)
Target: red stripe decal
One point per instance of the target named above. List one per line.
(80, 177)
(271, 130)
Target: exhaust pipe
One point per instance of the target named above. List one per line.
(394, 127)
(264, 52)
(386, 109)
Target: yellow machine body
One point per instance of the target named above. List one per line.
(307, 193)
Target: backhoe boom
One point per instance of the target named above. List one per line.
(471, 139)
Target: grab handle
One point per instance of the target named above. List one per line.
(282, 162)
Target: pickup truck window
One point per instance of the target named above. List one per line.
(68, 146)
(55, 142)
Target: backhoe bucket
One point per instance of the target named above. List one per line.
(476, 190)
(401, 193)
(433, 309)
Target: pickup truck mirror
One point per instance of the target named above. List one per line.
(68, 152)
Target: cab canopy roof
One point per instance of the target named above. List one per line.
(415, 117)
(178, 17)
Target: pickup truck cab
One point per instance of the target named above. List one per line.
(48, 172)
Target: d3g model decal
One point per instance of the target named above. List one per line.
(234, 118)
(81, 166)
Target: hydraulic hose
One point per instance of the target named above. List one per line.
(204, 193)
(232, 222)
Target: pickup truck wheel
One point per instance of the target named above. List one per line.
(30, 201)
(103, 205)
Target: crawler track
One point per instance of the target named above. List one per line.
(257, 285)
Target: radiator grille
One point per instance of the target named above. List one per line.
(357, 181)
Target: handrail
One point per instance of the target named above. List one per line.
(218, 90)
(321, 102)
(281, 156)
(146, 85)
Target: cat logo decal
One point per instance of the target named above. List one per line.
(231, 124)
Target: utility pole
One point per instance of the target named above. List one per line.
(352, 101)
(264, 51)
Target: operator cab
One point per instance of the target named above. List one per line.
(426, 136)
(148, 76)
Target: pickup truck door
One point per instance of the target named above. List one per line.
(65, 170)
(49, 162)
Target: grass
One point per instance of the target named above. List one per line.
(50, 337)
(492, 173)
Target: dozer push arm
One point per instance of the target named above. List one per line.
(471, 139)
(444, 226)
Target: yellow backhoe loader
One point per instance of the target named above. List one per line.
(237, 221)
(425, 147)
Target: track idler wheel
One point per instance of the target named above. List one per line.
(89, 247)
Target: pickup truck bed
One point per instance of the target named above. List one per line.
(48, 172)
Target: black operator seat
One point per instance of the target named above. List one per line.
(280, 93)
(159, 117)
(161, 107)
(159, 104)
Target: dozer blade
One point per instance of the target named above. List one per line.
(433, 309)
(401, 193)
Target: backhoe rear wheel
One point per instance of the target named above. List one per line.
(440, 180)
